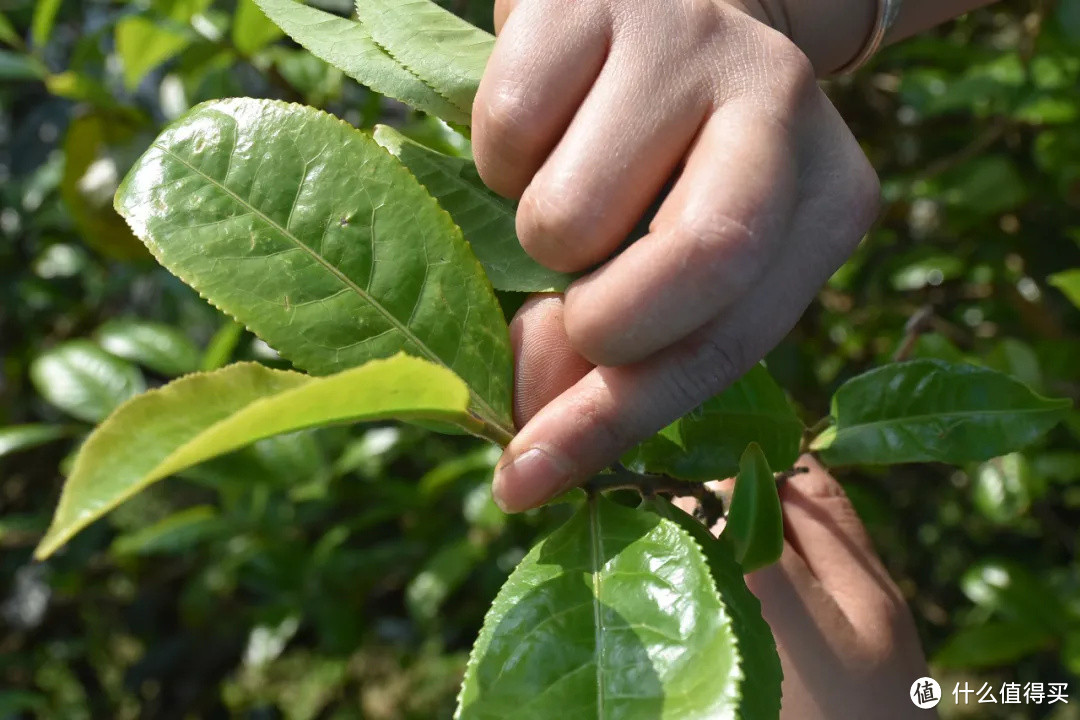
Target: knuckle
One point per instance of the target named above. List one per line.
(794, 74)
(712, 239)
(551, 224)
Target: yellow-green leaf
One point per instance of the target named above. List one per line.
(204, 415)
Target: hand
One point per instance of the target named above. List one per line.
(586, 109)
(847, 642)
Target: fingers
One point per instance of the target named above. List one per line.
(723, 222)
(547, 56)
(545, 364)
(502, 11)
(624, 142)
(609, 410)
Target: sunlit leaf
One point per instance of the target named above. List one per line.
(1068, 282)
(931, 410)
(319, 241)
(97, 152)
(347, 45)
(615, 614)
(486, 220)
(755, 522)
(143, 43)
(41, 25)
(760, 660)
(251, 29)
(203, 415)
(157, 346)
(85, 381)
(708, 442)
(446, 52)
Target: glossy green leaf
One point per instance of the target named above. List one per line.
(760, 660)
(446, 52)
(319, 241)
(85, 381)
(203, 415)
(755, 522)
(347, 44)
(931, 410)
(1068, 282)
(486, 220)
(708, 442)
(157, 346)
(15, 438)
(615, 614)
(252, 30)
(97, 152)
(143, 44)
(998, 642)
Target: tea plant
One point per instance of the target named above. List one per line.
(378, 266)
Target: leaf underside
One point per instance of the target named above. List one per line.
(348, 45)
(486, 220)
(203, 415)
(318, 240)
(614, 615)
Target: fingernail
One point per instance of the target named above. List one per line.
(529, 479)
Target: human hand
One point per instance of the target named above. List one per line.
(586, 109)
(847, 643)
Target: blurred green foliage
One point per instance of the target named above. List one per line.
(344, 573)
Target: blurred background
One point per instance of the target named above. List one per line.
(344, 573)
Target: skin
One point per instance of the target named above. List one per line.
(588, 110)
(847, 643)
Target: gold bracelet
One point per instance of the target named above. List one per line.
(887, 12)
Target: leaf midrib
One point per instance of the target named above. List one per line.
(597, 554)
(958, 414)
(488, 413)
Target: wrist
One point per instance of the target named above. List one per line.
(829, 32)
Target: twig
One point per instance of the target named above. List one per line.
(648, 485)
(914, 327)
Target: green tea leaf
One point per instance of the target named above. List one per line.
(997, 642)
(85, 381)
(319, 241)
(615, 614)
(756, 644)
(15, 438)
(1068, 282)
(203, 415)
(346, 44)
(755, 523)
(446, 52)
(143, 44)
(175, 533)
(16, 66)
(157, 346)
(931, 410)
(251, 29)
(8, 33)
(486, 220)
(708, 442)
(96, 154)
(222, 345)
(44, 18)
